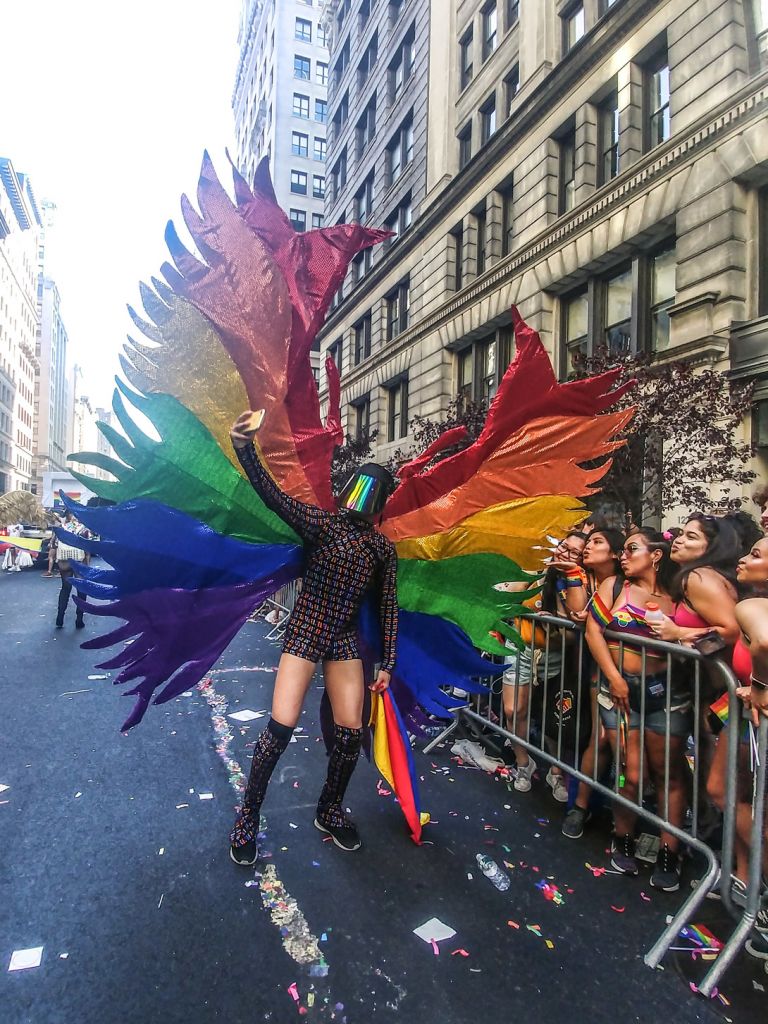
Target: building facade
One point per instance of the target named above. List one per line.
(280, 102)
(20, 225)
(601, 164)
(53, 398)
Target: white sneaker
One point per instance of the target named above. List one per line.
(558, 786)
(522, 782)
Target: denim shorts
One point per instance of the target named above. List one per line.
(518, 668)
(680, 715)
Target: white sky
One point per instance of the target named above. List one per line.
(108, 107)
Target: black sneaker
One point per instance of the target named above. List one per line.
(245, 855)
(345, 836)
(666, 874)
(575, 820)
(623, 855)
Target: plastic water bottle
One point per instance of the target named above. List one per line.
(492, 871)
(654, 616)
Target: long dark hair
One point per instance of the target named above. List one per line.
(656, 542)
(722, 554)
(747, 530)
(549, 587)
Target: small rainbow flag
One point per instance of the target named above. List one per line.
(701, 935)
(720, 707)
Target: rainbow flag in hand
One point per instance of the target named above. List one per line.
(393, 757)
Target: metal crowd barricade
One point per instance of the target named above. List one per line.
(283, 600)
(557, 667)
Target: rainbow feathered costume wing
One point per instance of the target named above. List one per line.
(190, 547)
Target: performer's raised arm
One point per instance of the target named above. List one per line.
(307, 520)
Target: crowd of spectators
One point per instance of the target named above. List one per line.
(704, 585)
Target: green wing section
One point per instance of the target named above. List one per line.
(461, 589)
(185, 469)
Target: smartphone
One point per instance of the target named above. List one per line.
(257, 418)
(709, 643)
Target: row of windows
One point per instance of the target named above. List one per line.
(655, 116)
(396, 319)
(303, 31)
(300, 146)
(574, 23)
(400, 70)
(301, 108)
(302, 68)
(366, 7)
(298, 219)
(396, 398)
(623, 312)
(657, 128)
(489, 35)
(398, 153)
(299, 184)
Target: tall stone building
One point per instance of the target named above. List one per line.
(280, 102)
(20, 225)
(601, 164)
(53, 424)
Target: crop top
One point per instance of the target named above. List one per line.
(628, 619)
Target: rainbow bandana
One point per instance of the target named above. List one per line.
(367, 490)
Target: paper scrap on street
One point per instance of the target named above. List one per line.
(205, 796)
(22, 959)
(3, 787)
(247, 716)
(434, 930)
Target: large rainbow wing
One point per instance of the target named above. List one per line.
(191, 549)
(483, 516)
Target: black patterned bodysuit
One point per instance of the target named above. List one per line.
(344, 556)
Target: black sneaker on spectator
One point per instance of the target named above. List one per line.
(574, 822)
(623, 855)
(246, 855)
(666, 874)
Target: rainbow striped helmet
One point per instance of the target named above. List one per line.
(367, 490)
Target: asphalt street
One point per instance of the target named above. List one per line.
(114, 859)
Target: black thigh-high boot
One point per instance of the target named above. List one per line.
(330, 816)
(266, 753)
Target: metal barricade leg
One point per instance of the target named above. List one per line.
(746, 924)
(451, 727)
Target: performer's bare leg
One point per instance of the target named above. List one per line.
(345, 684)
(293, 678)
